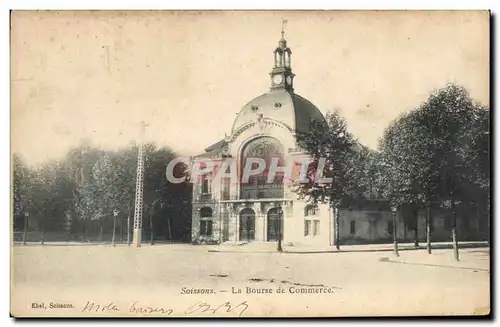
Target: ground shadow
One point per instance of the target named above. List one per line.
(432, 265)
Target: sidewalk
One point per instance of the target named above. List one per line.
(65, 243)
(109, 243)
(270, 247)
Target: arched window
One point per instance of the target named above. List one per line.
(278, 58)
(288, 58)
(311, 220)
(206, 221)
(266, 148)
(226, 188)
(206, 184)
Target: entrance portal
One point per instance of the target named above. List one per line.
(274, 225)
(256, 187)
(247, 225)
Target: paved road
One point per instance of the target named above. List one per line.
(364, 283)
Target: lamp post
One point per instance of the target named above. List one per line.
(25, 233)
(280, 214)
(115, 214)
(394, 210)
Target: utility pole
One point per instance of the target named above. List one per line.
(139, 190)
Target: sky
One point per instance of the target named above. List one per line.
(95, 76)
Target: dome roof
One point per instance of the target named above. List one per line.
(281, 105)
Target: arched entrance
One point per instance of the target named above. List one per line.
(274, 224)
(206, 222)
(247, 225)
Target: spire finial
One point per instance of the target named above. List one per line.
(283, 26)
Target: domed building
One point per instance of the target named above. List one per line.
(263, 207)
(256, 210)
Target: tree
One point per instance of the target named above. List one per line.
(21, 180)
(479, 154)
(44, 193)
(62, 196)
(329, 140)
(125, 165)
(111, 188)
(426, 154)
(365, 173)
(43, 200)
(81, 161)
(85, 203)
(104, 176)
(406, 166)
(479, 160)
(92, 185)
(449, 115)
(155, 182)
(177, 207)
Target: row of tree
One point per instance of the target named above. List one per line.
(437, 155)
(92, 189)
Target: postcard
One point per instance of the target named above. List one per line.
(250, 163)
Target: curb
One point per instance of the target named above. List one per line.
(434, 247)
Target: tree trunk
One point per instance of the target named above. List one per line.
(169, 230)
(454, 231)
(121, 230)
(395, 234)
(151, 226)
(416, 236)
(100, 230)
(404, 230)
(25, 232)
(42, 236)
(336, 220)
(85, 230)
(88, 230)
(114, 229)
(415, 231)
(429, 227)
(128, 226)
